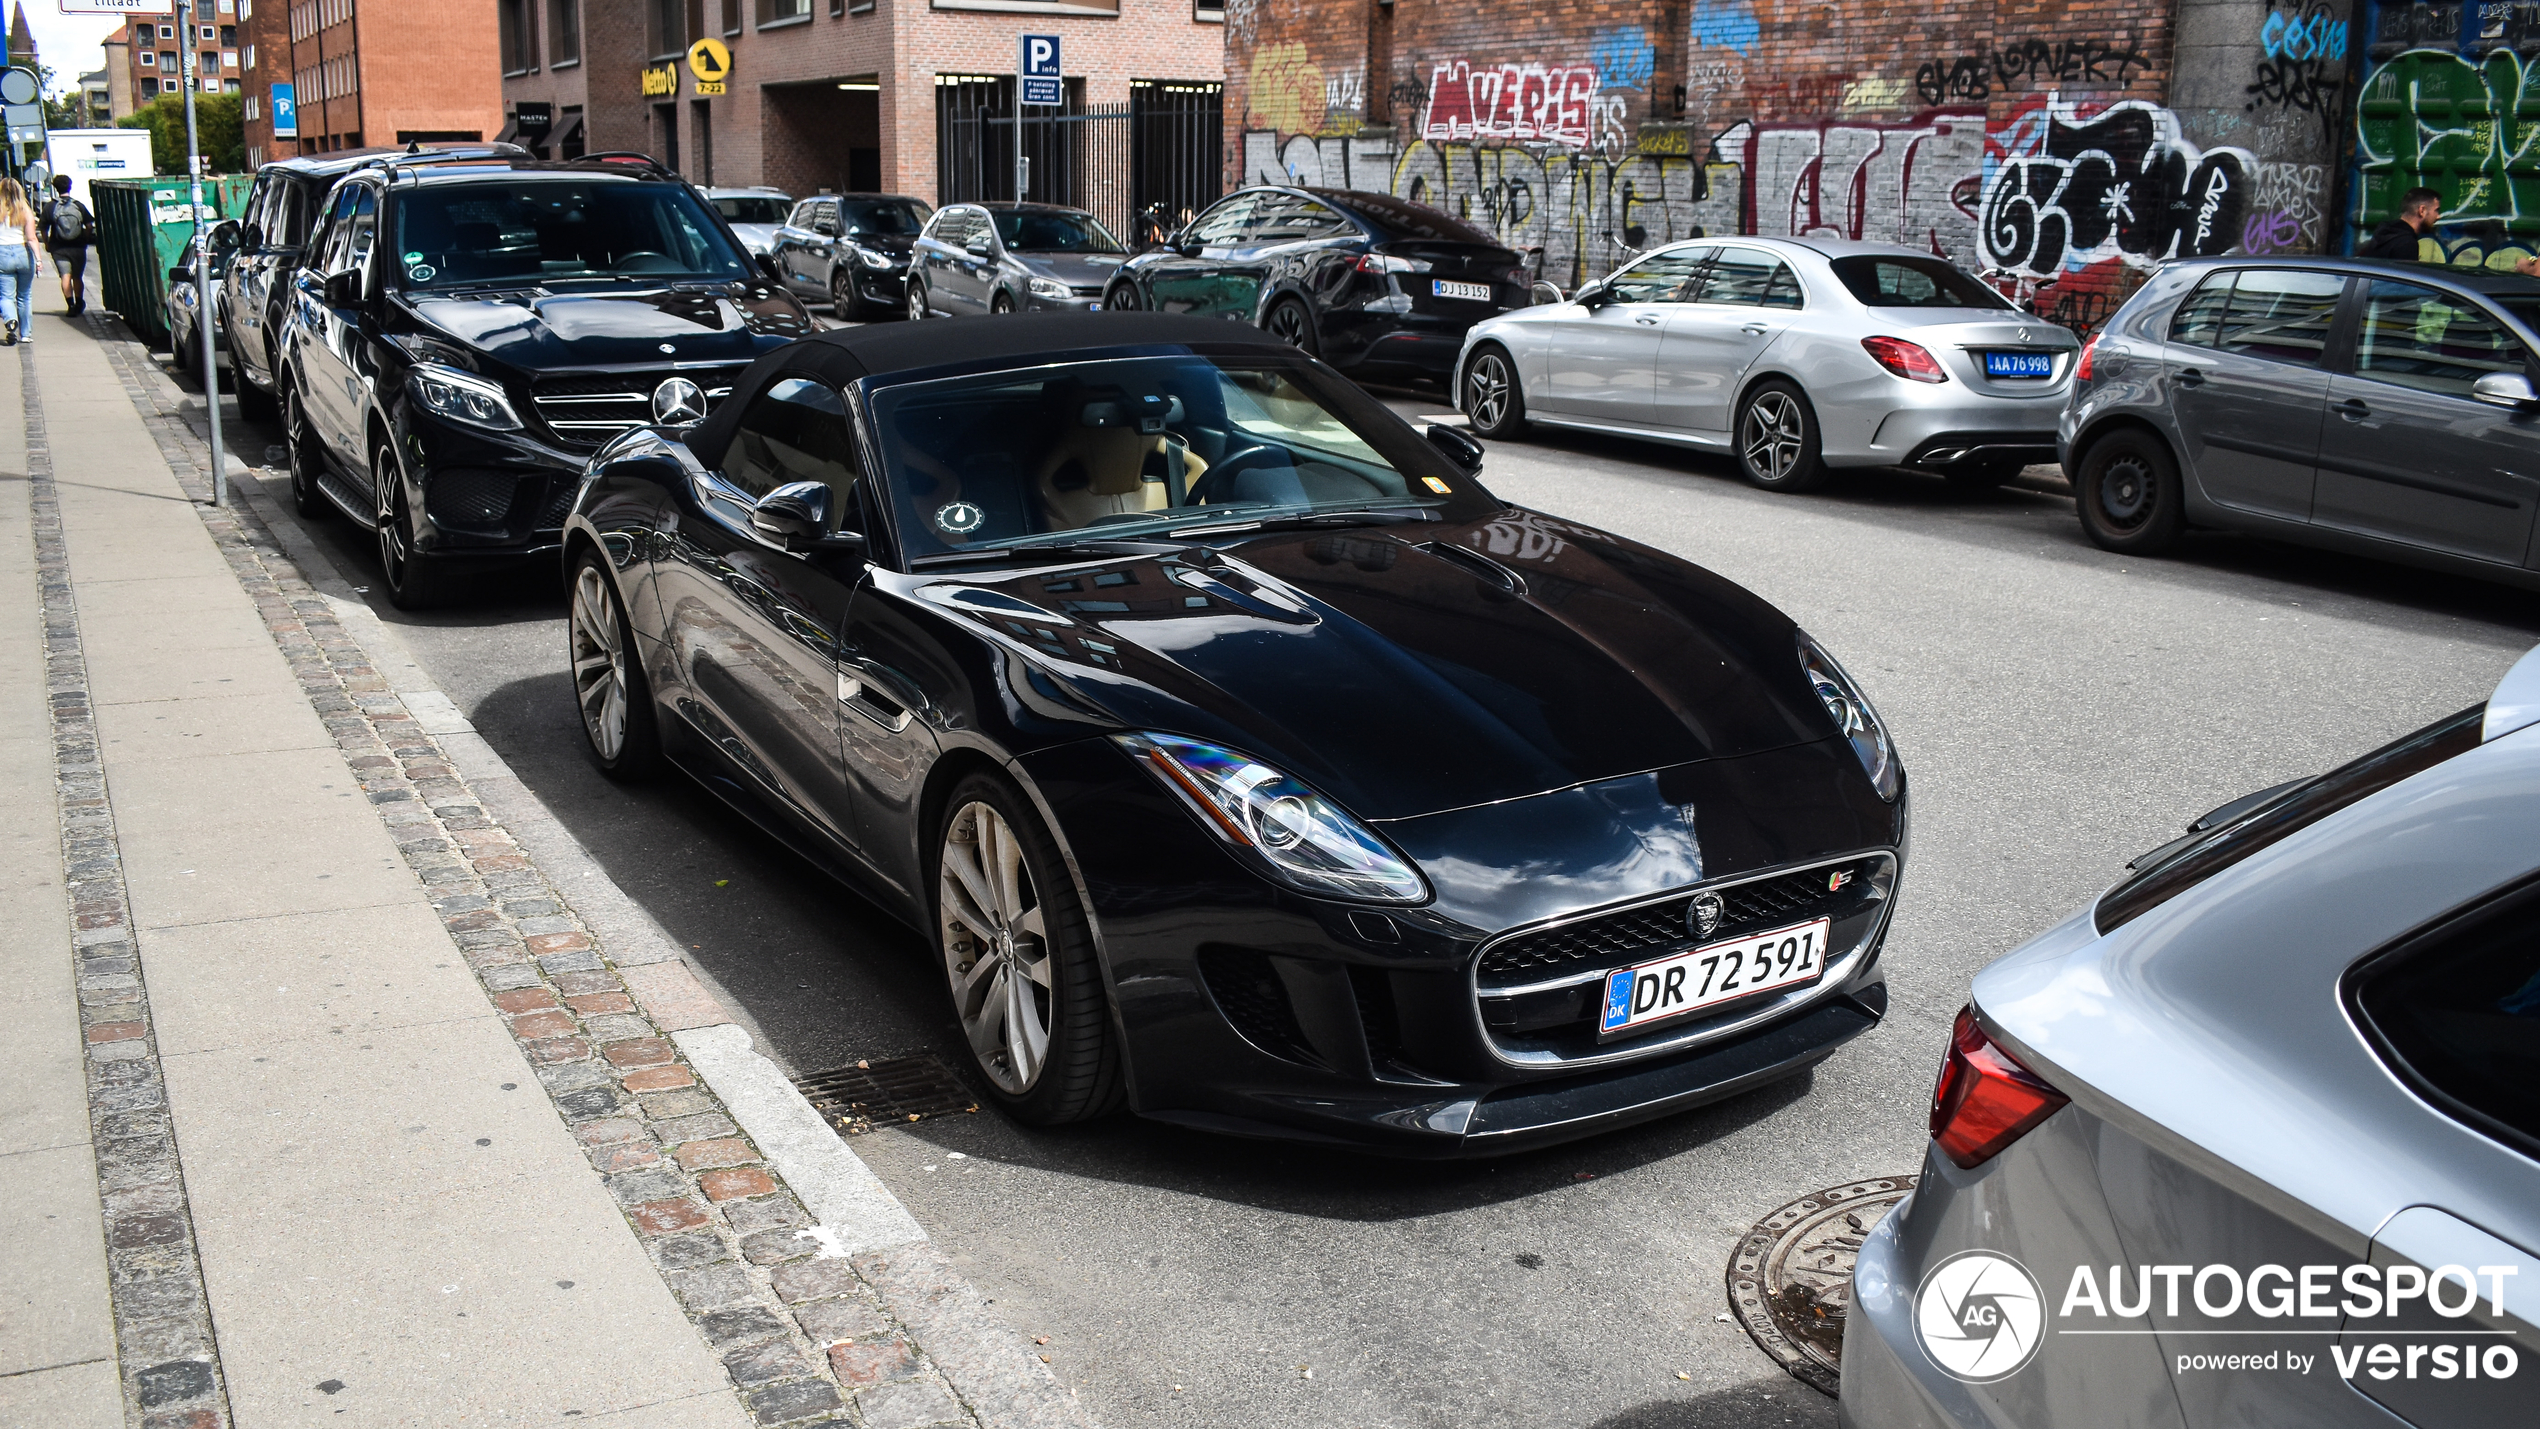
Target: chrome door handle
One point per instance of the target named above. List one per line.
(2353, 409)
(2190, 377)
(1756, 329)
(1646, 321)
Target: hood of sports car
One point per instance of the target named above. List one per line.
(1414, 669)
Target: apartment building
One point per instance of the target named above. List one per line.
(905, 96)
(149, 51)
(324, 75)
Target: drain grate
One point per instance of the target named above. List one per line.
(894, 1090)
(1790, 1279)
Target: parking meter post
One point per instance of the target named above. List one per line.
(202, 245)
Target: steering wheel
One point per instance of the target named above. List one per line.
(645, 260)
(1221, 476)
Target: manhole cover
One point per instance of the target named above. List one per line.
(1790, 1279)
(898, 1089)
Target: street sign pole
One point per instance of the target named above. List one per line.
(1039, 79)
(1022, 166)
(202, 252)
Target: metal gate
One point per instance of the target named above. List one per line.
(1166, 145)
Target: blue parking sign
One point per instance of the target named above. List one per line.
(286, 113)
(1037, 68)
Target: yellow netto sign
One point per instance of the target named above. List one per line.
(661, 81)
(710, 60)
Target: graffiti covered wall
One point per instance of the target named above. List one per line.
(2065, 148)
(2450, 101)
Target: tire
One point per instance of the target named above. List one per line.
(1002, 305)
(917, 309)
(2128, 494)
(1777, 439)
(1123, 298)
(615, 702)
(989, 825)
(844, 305)
(415, 581)
(1493, 398)
(306, 499)
(1291, 322)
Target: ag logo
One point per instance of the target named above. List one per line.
(679, 403)
(1980, 1316)
(959, 518)
(1703, 917)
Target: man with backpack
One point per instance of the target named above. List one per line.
(69, 229)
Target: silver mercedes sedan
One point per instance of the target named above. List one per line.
(1798, 355)
(2253, 1140)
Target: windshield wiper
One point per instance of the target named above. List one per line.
(1029, 549)
(1314, 521)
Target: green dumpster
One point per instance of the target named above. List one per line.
(143, 228)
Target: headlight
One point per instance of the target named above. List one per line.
(1852, 716)
(461, 397)
(1051, 288)
(1301, 837)
(871, 259)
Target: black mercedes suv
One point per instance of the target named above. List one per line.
(461, 337)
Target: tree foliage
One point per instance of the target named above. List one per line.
(219, 126)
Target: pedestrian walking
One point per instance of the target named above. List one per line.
(17, 262)
(2396, 239)
(69, 231)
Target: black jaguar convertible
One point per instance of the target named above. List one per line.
(1245, 761)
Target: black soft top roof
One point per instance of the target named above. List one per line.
(848, 355)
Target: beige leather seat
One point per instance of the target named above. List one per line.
(1099, 467)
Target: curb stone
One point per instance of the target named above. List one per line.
(847, 1317)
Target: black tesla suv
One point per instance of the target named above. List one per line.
(460, 337)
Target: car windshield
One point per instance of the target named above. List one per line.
(882, 216)
(1907, 282)
(752, 208)
(1137, 446)
(459, 234)
(1030, 232)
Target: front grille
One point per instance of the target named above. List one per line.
(1595, 944)
(559, 507)
(588, 410)
(468, 496)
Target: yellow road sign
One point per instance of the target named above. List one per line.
(710, 60)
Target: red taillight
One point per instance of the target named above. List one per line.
(1905, 359)
(2081, 369)
(1985, 1100)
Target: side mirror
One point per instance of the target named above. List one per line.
(1458, 446)
(2505, 389)
(227, 234)
(1184, 245)
(767, 264)
(344, 290)
(980, 246)
(796, 516)
(182, 275)
(1593, 296)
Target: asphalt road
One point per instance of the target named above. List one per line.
(2059, 710)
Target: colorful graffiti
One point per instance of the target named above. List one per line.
(1519, 102)
(2069, 186)
(1914, 182)
(1724, 24)
(2065, 63)
(1287, 88)
(2463, 128)
(1623, 55)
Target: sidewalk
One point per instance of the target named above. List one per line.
(331, 1107)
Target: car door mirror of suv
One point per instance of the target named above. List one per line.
(1184, 244)
(2505, 389)
(344, 290)
(227, 235)
(1458, 446)
(181, 275)
(775, 271)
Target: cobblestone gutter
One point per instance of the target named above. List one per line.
(809, 1335)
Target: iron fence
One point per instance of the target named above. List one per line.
(1165, 146)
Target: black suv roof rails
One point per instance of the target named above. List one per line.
(415, 155)
(622, 156)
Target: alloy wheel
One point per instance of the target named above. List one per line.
(1486, 391)
(599, 663)
(842, 304)
(395, 554)
(1775, 434)
(996, 947)
(1288, 324)
(917, 301)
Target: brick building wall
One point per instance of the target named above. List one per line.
(2035, 138)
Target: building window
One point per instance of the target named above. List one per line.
(167, 32)
(149, 89)
(731, 17)
(149, 59)
(251, 57)
(1209, 12)
(229, 59)
(565, 18)
(777, 12)
(666, 27)
(516, 31)
(1046, 7)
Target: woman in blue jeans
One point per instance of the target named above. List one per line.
(17, 262)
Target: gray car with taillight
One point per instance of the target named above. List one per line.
(2384, 409)
(2255, 1139)
(1797, 356)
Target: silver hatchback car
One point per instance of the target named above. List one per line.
(1797, 355)
(2256, 1138)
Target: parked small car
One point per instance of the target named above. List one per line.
(1378, 286)
(2381, 408)
(979, 259)
(1796, 356)
(755, 213)
(851, 251)
(185, 334)
(2255, 1139)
